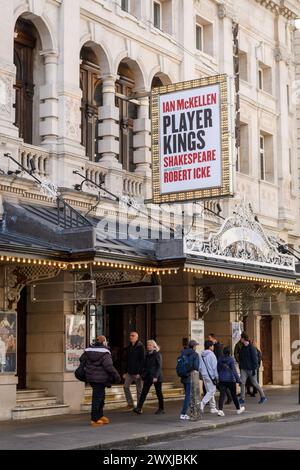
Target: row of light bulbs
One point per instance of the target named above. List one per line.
(273, 283)
(240, 277)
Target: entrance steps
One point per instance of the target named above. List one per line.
(115, 398)
(36, 404)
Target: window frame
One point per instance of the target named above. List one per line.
(127, 2)
(200, 27)
(159, 5)
(262, 157)
(260, 79)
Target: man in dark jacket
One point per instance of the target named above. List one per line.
(218, 347)
(100, 373)
(133, 366)
(192, 358)
(248, 367)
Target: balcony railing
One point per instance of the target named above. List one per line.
(39, 157)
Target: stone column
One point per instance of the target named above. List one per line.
(142, 139)
(295, 344)
(46, 346)
(109, 128)
(281, 349)
(69, 93)
(49, 101)
(172, 320)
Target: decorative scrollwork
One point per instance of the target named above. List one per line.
(18, 277)
(241, 237)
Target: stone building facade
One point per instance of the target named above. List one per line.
(75, 80)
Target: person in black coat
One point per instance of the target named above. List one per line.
(133, 363)
(100, 373)
(152, 375)
(248, 367)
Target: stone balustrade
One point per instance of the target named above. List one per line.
(39, 157)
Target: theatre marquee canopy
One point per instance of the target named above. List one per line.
(241, 245)
(192, 140)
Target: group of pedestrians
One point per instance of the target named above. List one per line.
(143, 367)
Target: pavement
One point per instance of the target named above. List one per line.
(127, 430)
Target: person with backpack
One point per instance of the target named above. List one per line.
(187, 362)
(228, 377)
(209, 373)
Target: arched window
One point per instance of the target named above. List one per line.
(128, 112)
(91, 87)
(25, 42)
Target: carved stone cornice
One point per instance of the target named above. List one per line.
(278, 8)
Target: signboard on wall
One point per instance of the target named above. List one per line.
(236, 331)
(191, 140)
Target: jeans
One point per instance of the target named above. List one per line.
(244, 375)
(146, 387)
(224, 387)
(129, 379)
(187, 397)
(210, 393)
(98, 398)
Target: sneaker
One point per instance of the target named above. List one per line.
(137, 411)
(159, 412)
(262, 400)
(185, 417)
(104, 420)
(97, 423)
(241, 401)
(221, 413)
(241, 410)
(214, 411)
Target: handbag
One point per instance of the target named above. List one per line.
(80, 372)
(214, 381)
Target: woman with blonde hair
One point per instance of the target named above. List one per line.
(152, 375)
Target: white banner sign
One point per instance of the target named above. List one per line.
(190, 140)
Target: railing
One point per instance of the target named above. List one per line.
(39, 157)
(132, 183)
(95, 173)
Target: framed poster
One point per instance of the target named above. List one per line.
(191, 140)
(75, 340)
(8, 342)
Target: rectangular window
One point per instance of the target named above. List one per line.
(260, 79)
(244, 149)
(157, 15)
(199, 37)
(243, 66)
(262, 157)
(204, 36)
(125, 5)
(265, 78)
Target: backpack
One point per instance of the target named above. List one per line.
(184, 365)
(80, 372)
